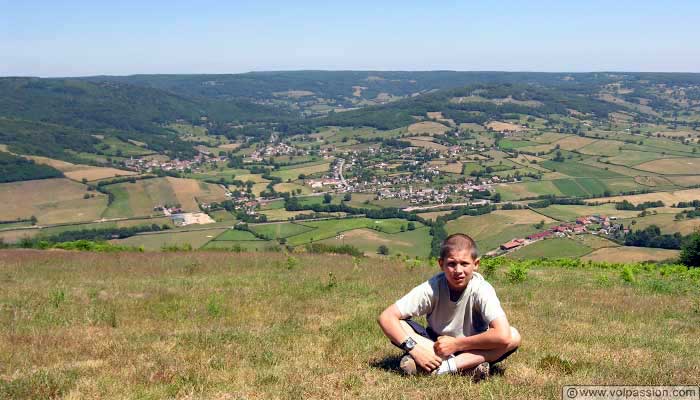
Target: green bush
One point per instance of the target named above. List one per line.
(627, 275)
(517, 273)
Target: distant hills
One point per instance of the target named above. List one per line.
(69, 119)
(49, 116)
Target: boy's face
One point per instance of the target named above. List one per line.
(459, 268)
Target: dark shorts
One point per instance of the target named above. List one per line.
(430, 334)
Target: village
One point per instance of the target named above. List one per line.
(592, 224)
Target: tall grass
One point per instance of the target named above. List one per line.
(242, 325)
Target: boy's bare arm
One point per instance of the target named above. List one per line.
(389, 321)
(498, 335)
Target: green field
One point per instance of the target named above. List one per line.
(632, 158)
(214, 324)
(277, 231)
(242, 245)
(120, 148)
(410, 243)
(235, 235)
(514, 144)
(552, 248)
(571, 212)
(138, 199)
(523, 190)
(108, 225)
(293, 173)
(579, 170)
(330, 228)
(196, 239)
(491, 230)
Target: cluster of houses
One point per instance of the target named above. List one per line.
(142, 165)
(168, 210)
(593, 224)
(276, 149)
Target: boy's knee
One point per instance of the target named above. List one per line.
(515, 338)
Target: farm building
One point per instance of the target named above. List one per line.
(512, 244)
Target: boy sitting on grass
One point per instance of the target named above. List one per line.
(467, 328)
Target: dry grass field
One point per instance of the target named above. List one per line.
(453, 168)
(685, 180)
(223, 325)
(229, 146)
(434, 214)
(188, 191)
(523, 216)
(666, 222)
(97, 173)
(505, 126)
(672, 166)
(652, 180)
(425, 143)
(430, 127)
(573, 142)
(292, 187)
(602, 148)
(77, 172)
(294, 93)
(630, 254)
(52, 201)
(669, 198)
(293, 173)
(139, 198)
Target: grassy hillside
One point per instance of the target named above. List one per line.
(223, 325)
(67, 113)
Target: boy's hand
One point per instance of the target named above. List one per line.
(425, 358)
(445, 346)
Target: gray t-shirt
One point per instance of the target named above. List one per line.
(469, 315)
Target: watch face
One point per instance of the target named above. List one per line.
(410, 343)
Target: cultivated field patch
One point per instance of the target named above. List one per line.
(77, 172)
(668, 198)
(630, 254)
(602, 148)
(571, 212)
(294, 173)
(499, 126)
(492, 230)
(157, 241)
(516, 191)
(191, 191)
(414, 243)
(52, 201)
(427, 144)
(552, 248)
(684, 180)
(672, 166)
(429, 127)
(573, 142)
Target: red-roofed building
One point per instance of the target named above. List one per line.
(512, 244)
(539, 235)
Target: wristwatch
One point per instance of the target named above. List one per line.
(408, 344)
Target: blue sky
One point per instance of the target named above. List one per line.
(77, 38)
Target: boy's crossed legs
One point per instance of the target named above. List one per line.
(465, 360)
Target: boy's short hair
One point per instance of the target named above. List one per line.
(457, 242)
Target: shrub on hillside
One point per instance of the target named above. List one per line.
(690, 251)
(517, 273)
